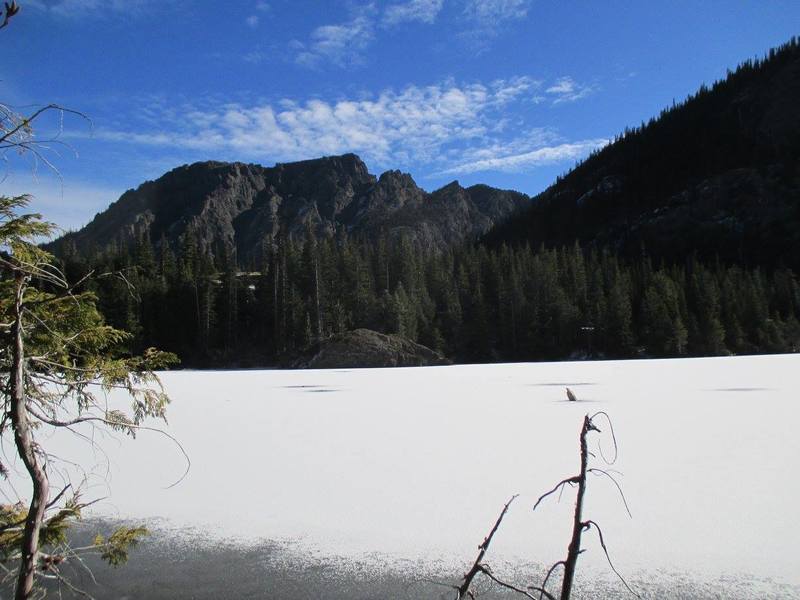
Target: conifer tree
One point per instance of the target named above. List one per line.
(57, 353)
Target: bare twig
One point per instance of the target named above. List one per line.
(613, 437)
(72, 587)
(550, 571)
(88, 419)
(570, 480)
(488, 572)
(616, 484)
(578, 524)
(463, 589)
(590, 524)
(11, 10)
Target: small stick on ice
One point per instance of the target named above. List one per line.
(570, 396)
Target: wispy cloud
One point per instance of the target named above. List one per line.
(345, 44)
(533, 158)
(340, 44)
(424, 11)
(255, 57)
(446, 128)
(508, 90)
(492, 13)
(83, 8)
(567, 89)
(413, 121)
(486, 19)
(254, 20)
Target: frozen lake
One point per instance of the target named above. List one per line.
(401, 473)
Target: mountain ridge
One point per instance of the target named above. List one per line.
(716, 176)
(240, 205)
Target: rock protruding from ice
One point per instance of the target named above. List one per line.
(367, 348)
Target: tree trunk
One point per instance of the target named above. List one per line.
(26, 448)
(284, 317)
(200, 338)
(275, 313)
(316, 300)
(574, 549)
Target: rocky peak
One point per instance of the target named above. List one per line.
(238, 205)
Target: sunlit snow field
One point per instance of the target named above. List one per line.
(405, 471)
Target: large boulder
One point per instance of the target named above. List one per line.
(367, 348)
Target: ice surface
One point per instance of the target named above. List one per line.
(417, 463)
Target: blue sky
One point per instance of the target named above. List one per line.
(505, 92)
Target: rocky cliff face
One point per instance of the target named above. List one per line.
(240, 205)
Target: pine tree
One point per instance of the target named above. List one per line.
(665, 333)
(56, 348)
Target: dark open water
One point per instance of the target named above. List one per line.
(183, 566)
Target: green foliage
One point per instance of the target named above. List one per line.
(69, 357)
(475, 304)
(12, 519)
(53, 535)
(663, 324)
(54, 530)
(114, 549)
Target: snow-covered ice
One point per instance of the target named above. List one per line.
(417, 463)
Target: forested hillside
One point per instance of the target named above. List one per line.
(471, 303)
(682, 238)
(717, 176)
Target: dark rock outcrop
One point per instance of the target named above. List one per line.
(367, 348)
(237, 205)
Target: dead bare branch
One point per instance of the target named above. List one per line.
(550, 571)
(488, 572)
(616, 484)
(613, 437)
(463, 589)
(11, 10)
(89, 419)
(590, 524)
(578, 524)
(570, 480)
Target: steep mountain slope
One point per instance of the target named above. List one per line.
(236, 204)
(716, 176)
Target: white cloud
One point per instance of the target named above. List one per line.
(83, 8)
(489, 14)
(344, 44)
(522, 142)
(534, 158)
(486, 19)
(567, 89)
(448, 127)
(508, 90)
(340, 44)
(424, 11)
(255, 57)
(254, 20)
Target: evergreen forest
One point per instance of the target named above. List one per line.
(474, 304)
